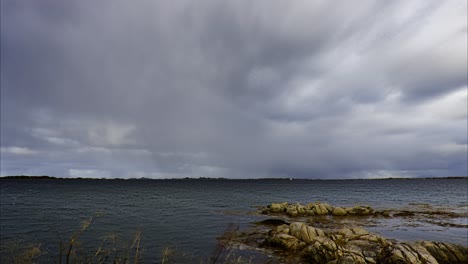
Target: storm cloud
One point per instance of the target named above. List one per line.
(237, 89)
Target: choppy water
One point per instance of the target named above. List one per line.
(190, 214)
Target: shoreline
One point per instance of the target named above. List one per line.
(316, 233)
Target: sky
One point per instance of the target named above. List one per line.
(235, 88)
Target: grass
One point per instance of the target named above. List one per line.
(18, 253)
(112, 250)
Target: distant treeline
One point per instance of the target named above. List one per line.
(44, 177)
(28, 177)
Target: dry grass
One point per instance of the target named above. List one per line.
(18, 253)
(112, 250)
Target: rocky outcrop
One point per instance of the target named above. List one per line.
(333, 244)
(357, 245)
(426, 213)
(318, 208)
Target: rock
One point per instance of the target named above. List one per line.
(301, 210)
(358, 244)
(321, 250)
(375, 238)
(339, 239)
(404, 253)
(291, 211)
(304, 232)
(318, 208)
(278, 207)
(346, 232)
(309, 212)
(435, 251)
(321, 209)
(352, 259)
(338, 211)
(359, 210)
(410, 255)
(325, 243)
(446, 253)
(302, 242)
(283, 229)
(359, 231)
(394, 256)
(424, 255)
(368, 249)
(353, 233)
(404, 214)
(285, 241)
(329, 208)
(275, 208)
(458, 251)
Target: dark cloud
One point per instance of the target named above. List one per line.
(234, 88)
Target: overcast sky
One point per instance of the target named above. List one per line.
(238, 89)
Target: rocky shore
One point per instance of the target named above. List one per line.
(317, 208)
(297, 241)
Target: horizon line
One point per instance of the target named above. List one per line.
(45, 177)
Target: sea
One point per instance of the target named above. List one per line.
(188, 215)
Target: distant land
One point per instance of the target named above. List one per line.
(45, 177)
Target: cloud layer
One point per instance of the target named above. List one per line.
(160, 89)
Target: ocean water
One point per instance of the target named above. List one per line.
(188, 215)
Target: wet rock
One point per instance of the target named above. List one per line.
(338, 211)
(360, 210)
(385, 213)
(404, 214)
(272, 222)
